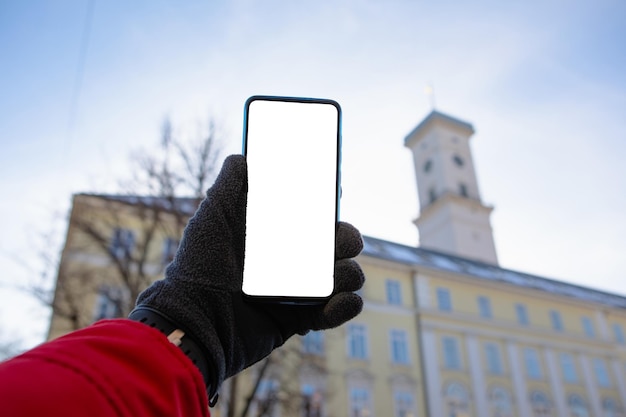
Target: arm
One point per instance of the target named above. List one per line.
(126, 368)
(113, 368)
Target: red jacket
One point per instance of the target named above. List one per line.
(113, 368)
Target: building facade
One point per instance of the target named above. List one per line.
(445, 330)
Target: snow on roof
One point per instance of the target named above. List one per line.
(395, 252)
(415, 256)
(185, 205)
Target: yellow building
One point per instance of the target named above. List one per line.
(115, 247)
(488, 341)
(445, 331)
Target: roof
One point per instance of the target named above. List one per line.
(435, 115)
(416, 256)
(420, 257)
(185, 205)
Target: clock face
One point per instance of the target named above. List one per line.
(458, 160)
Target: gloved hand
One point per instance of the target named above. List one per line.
(201, 291)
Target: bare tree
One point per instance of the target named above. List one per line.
(275, 385)
(182, 167)
(118, 244)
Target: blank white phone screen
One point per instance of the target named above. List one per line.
(292, 150)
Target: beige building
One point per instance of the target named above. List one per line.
(445, 331)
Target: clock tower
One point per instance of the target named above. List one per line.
(452, 219)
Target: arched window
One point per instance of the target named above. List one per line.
(456, 400)
(458, 160)
(540, 404)
(463, 190)
(312, 400)
(611, 408)
(404, 404)
(266, 398)
(360, 402)
(577, 406)
(500, 402)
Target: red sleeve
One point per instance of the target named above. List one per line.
(112, 368)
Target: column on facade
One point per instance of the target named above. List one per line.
(431, 367)
(590, 385)
(422, 290)
(477, 375)
(618, 371)
(519, 384)
(603, 327)
(555, 382)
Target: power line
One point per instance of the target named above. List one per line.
(80, 70)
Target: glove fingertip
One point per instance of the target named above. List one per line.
(349, 242)
(348, 275)
(341, 308)
(233, 176)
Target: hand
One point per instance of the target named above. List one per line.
(201, 291)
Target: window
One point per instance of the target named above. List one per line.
(568, 367)
(458, 160)
(313, 343)
(170, 245)
(484, 307)
(428, 166)
(555, 319)
(602, 373)
(267, 387)
(394, 295)
(463, 190)
(443, 299)
(577, 406)
(399, 349)
(360, 402)
(432, 195)
(540, 404)
(122, 243)
(587, 327)
(533, 366)
(456, 400)
(492, 355)
(451, 359)
(357, 341)
(618, 332)
(312, 401)
(109, 302)
(610, 408)
(522, 314)
(266, 398)
(404, 404)
(500, 402)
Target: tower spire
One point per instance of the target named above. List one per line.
(429, 90)
(452, 218)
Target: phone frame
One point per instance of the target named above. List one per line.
(249, 101)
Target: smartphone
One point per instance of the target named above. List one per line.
(293, 150)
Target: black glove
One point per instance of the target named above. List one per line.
(201, 292)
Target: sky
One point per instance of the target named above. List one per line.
(83, 84)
